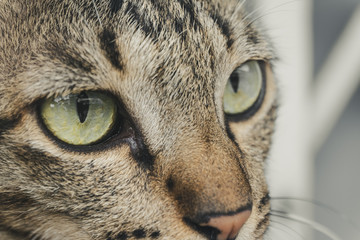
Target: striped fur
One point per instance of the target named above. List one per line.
(167, 63)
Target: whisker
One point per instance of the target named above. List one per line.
(241, 4)
(323, 206)
(97, 13)
(289, 228)
(270, 233)
(315, 225)
(238, 8)
(266, 11)
(262, 8)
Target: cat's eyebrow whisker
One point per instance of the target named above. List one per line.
(97, 13)
(266, 10)
(238, 8)
(262, 8)
(287, 227)
(312, 224)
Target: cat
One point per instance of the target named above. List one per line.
(139, 119)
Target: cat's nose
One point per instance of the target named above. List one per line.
(228, 226)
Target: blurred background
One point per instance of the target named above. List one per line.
(314, 169)
(337, 163)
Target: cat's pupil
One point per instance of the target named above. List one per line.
(234, 81)
(82, 106)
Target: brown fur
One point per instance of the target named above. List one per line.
(181, 164)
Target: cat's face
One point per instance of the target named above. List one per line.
(168, 155)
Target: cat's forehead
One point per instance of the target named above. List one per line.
(191, 27)
(192, 24)
(181, 46)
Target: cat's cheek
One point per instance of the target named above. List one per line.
(254, 139)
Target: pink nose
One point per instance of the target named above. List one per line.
(229, 226)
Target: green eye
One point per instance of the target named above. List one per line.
(80, 119)
(243, 88)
